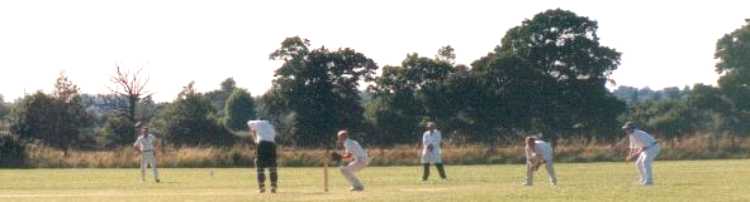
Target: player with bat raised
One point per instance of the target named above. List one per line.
(265, 153)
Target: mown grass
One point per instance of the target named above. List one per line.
(715, 180)
(696, 147)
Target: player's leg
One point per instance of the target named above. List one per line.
(143, 167)
(152, 163)
(260, 165)
(639, 165)
(348, 172)
(439, 165)
(529, 173)
(272, 168)
(551, 172)
(650, 155)
(261, 175)
(425, 166)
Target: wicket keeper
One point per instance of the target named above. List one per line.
(352, 152)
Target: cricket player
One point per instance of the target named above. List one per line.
(265, 153)
(645, 147)
(145, 144)
(538, 152)
(352, 152)
(431, 153)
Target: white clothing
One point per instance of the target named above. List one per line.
(263, 130)
(148, 158)
(541, 153)
(431, 138)
(640, 139)
(353, 147)
(145, 142)
(359, 163)
(349, 170)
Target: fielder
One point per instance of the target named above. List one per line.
(538, 152)
(145, 144)
(645, 147)
(265, 153)
(431, 153)
(352, 152)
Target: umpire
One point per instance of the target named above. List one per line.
(265, 154)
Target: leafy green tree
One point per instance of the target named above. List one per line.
(219, 97)
(409, 94)
(240, 107)
(56, 120)
(118, 130)
(320, 87)
(12, 151)
(556, 60)
(189, 120)
(4, 109)
(732, 51)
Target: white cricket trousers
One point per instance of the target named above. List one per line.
(643, 164)
(530, 172)
(349, 170)
(147, 158)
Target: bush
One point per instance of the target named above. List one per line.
(12, 152)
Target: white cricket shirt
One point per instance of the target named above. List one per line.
(640, 139)
(263, 130)
(355, 149)
(145, 142)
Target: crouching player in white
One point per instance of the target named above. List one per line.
(265, 153)
(538, 152)
(145, 144)
(431, 153)
(352, 152)
(643, 146)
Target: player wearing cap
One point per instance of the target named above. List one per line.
(645, 148)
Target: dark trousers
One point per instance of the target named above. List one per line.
(265, 157)
(426, 173)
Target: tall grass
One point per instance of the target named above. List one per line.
(571, 150)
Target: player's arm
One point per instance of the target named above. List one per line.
(347, 156)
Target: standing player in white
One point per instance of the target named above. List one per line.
(352, 152)
(538, 152)
(145, 144)
(431, 153)
(265, 153)
(645, 147)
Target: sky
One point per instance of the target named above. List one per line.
(664, 43)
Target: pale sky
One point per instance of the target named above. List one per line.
(664, 43)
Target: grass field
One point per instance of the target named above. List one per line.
(725, 180)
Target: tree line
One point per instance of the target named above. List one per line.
(547, 75)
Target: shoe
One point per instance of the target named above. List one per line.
(261, 190)
(273, 190)
(357, 189)
(158, 181)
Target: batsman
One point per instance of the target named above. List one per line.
(265, 153)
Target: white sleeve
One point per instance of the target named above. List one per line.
(438, 138)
